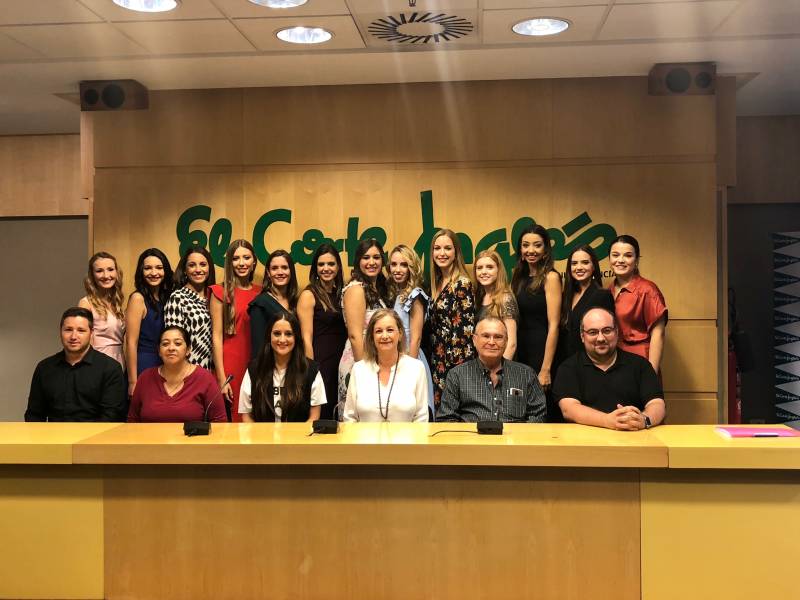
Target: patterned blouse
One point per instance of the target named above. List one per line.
(508, 309)
(190, 311)
(452, 320)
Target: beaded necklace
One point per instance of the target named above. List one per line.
(385, 417)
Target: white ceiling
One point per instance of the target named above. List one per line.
(48, 46)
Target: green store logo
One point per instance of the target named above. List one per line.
(572, 234)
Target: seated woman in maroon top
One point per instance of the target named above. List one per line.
(639, 304)
(177, 391)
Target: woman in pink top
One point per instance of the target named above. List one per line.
(103, 285)
(639, 305)
(177, 391)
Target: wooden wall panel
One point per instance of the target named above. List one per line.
(40, 176)
(691, 409)
(181, 127)
(614, 116)
(690, 356)
(768, 151)
(367, 533)
(478, 120)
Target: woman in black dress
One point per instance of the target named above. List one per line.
(278, 295)
(583, 289)
(537, 287)
(321, 321)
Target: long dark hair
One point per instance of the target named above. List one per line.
(181, 278)
(155, 299)
(379, 293)
(571, 286)
(521, 275)
(229, 287)
(291, 287)
(294, 380)
(326, 299)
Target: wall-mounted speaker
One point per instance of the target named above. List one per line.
(119, 94)
(682, 79)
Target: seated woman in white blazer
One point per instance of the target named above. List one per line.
(388, 385)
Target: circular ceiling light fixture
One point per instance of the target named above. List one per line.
(148, 6)
(279, 3)
(541, 26)
(304, 35)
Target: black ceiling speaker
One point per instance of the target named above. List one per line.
(118, 94)
(682, 79)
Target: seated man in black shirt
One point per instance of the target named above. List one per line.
(490, 387)
(78, 383)
(607, 387)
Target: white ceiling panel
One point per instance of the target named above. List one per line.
(763, 18)
(29, 12)
(262, 33)
(584, 21)
(12, 50)
(506, 4)
(186, 9)
(393, 6)
(669, 20)
(187, 37)
(96, 39)
(243, 8)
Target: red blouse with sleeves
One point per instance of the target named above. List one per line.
(639, 306)
(152, 404)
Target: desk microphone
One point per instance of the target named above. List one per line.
(192, 428)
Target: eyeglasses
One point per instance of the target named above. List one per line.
(606, 331)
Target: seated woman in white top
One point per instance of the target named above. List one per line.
(388, 385)
(281, 384)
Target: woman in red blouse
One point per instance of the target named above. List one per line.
(177, 391)
(639, 304)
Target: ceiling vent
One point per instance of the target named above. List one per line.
(420, 28)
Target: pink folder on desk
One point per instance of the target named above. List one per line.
(756, 432)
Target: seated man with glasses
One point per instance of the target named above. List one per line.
(607, 387)
(490, 387)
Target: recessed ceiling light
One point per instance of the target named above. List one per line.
(304, 35)
(151, 6)
(541, 26)
(279, 3)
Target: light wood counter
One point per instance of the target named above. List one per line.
(700, 447)
(521, 445)
(44, 443)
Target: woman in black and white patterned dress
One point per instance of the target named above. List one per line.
(187, 306)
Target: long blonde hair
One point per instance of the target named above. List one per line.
(229, 287)
(501, 287)
(459, 267)
(415, 275)
(99, 299)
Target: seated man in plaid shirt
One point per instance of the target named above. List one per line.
(491, 388)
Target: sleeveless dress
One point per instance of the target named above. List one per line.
(330, 337)
(108, 335)
(531, 340)
(532, 328)
(236, 347)
(149, 333)
(347, 361)
(403, 309)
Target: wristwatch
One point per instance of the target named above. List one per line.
(647, 422)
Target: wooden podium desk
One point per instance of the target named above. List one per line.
(389, 511)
